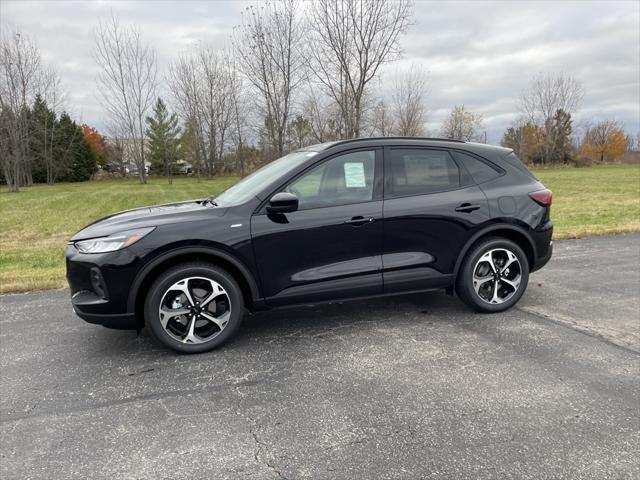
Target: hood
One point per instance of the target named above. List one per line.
(153, 216)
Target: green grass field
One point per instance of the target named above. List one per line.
(35, 223)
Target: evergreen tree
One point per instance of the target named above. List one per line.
(84, 163)
(188, 150)
(42, 126)
(72, 150)
(162, 139)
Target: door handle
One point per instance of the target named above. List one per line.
(467, 208)
(359, 220)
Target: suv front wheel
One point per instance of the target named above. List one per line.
(493, 276)
(193, 307)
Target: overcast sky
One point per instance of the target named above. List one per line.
(480, 54)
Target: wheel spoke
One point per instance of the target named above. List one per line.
(496, 288)
(167, 314)
(515, 283)
(190, 337)
(511, 259)
(479, 281)
(215, 291)
(183, 287)
(221, 321)
(488, 257)
(174, 312)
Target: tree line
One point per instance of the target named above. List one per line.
(39, 142)
(545, 132)
(293, 73)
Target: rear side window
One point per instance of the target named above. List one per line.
(418, 172)
(514, 161)
(479, 170)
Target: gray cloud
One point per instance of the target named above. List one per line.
(481, 54)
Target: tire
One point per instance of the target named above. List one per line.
(477, 290)
(215, 302)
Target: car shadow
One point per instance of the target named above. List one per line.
(319, 318)
(310, 320)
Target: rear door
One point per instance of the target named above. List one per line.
(431, 207)
(331, 247)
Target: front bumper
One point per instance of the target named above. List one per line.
(86, 303)
(100, 285)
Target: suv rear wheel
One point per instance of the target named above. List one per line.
(493, 276)
(194, 307)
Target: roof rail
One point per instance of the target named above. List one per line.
(364, 139)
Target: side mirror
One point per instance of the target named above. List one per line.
(283, 202)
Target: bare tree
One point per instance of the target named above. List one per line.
(240, 106)
(186, 88)
(382, 122)
(128, 81)
(545, 97)
(350, 41)
(20, 76)
(409, 103)
(461, 124)
(217, 104)
(206, 87)
(629, 143)
(323, 117)
(267, 46)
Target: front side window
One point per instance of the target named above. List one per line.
(419, 172)
(250, 186)
(342, 180)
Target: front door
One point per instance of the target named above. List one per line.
(331, 246)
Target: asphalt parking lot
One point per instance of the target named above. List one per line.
(410, 387)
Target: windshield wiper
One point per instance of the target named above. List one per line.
(211, 201)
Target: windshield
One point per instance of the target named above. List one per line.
(249, 186)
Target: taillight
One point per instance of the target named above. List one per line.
(542, 197)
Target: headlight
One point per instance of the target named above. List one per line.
(113, 242)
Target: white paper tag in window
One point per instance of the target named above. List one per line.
(354, 175)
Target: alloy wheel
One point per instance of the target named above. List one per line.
(194, 310)
(497, 276)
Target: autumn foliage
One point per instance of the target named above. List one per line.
(604, 141)
(96, 141)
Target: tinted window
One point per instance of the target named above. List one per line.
(416, 172)
(479, 170)
(248, 187)
(514, 161)
(339, 181)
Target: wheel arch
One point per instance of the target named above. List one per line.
(515, 233)
(181, 254)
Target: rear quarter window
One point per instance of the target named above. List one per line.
(479, 170)
(515, 162)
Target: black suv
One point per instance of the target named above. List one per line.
(336, 221)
